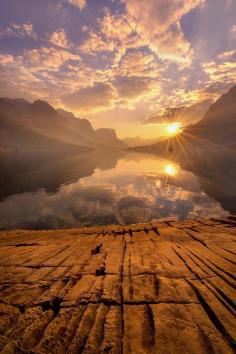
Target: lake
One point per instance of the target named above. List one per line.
(120, 187)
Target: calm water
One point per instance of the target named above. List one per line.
(124, 188)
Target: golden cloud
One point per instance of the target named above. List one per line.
(19, 30)
(59, 39)
(173, 46)
(153, 16)
(95, 43)
(136, 63)
(158, 23)
(115, 26)
(99, 97)
(48, 58)
(224, 72)
(6, 59)
(81, 4)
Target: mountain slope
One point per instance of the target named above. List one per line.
(108, 137)
(103, 137)
(218, 124)
(58, 124)
(16, 137)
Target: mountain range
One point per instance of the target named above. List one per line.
(37, 126)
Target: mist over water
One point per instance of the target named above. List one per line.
(108, 188)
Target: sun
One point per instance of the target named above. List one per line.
(171, 169)
(174, 128)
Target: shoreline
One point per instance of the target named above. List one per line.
(230, 219)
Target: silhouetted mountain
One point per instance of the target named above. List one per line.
(58, 124)
(218, 124)
(109, 137)
(16, 137)
(103, 137)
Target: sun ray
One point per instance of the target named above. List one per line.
(209, 142)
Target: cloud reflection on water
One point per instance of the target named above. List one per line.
(137, 189)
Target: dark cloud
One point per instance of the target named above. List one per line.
(97, 97)
(132, 87)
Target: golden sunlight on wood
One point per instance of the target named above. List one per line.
(174, 128)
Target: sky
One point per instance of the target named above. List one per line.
(118, 62)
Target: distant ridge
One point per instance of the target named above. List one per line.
(40, 117)
(15, 137)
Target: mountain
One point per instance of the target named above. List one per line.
(108, 137)
(103, 137)
(18, 138)
(218, 124)
(42, 118)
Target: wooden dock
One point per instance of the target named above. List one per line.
(164, 287)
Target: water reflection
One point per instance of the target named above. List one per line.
(122, 187)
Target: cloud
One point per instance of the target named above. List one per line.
(59, 39)
(37, 74)
(6, 59)
(173, 46)
(233, 31)
(45, 73)
(24, 84)
(99, 97)
(137, 63)
(184, 114)
(131, 89)
(81, 4)
(224, 72)
(221, 73)
(95, 43)
(228, 55)
(158, 22)
(19, 31)
(147, 55)
(48, 58)
(115, 26)
(154, 17)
